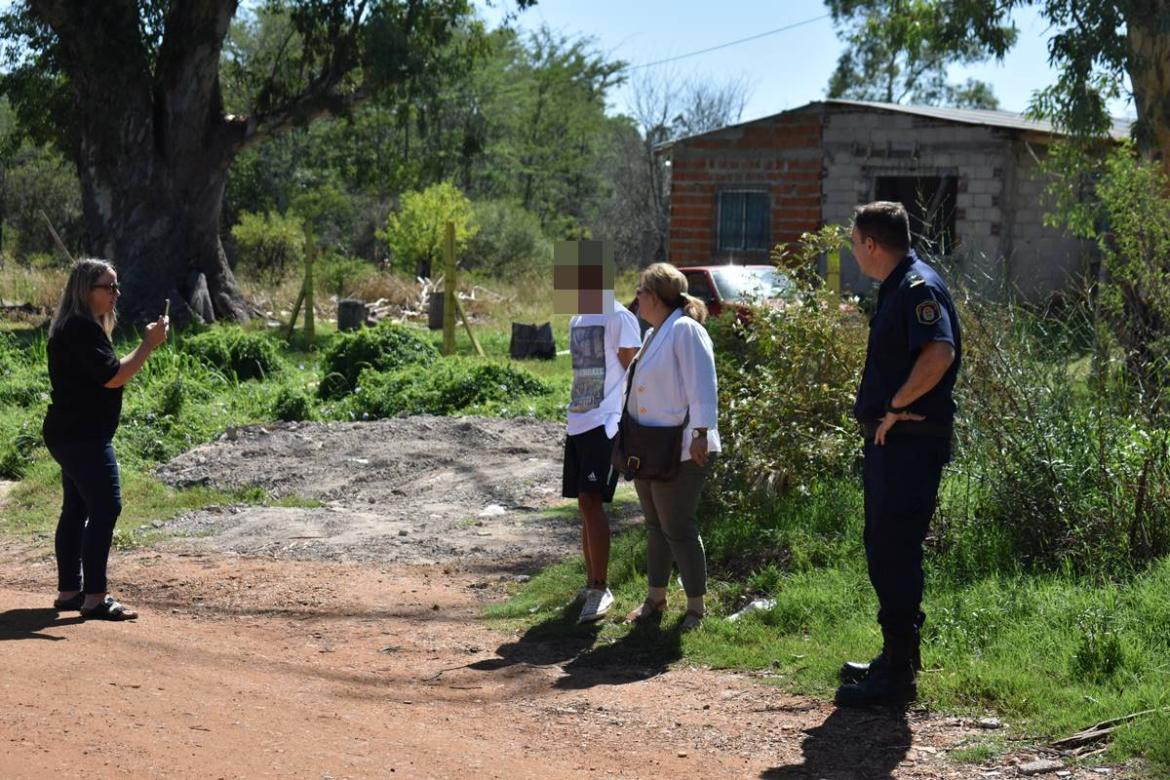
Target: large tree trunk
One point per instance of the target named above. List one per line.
(1149, 72)
(159, 224)
(153, 151)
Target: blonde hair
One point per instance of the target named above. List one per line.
(669, 284)
(75, 297)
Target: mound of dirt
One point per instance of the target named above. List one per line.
(412, 490)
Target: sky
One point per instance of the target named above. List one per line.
(783, 70)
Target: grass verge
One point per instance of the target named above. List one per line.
(1049, 655)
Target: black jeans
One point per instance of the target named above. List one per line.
(89, 510)
(901, 486)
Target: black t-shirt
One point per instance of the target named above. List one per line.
(81, 361)
(914, 309)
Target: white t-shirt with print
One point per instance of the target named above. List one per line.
(598, 376)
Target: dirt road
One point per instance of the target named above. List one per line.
(319, 658)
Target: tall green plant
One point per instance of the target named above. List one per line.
(417, 231)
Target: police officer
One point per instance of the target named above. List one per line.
(906, 412)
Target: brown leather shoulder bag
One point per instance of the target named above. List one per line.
(646, 451)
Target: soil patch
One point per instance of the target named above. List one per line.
(409, 490)
(245, 668)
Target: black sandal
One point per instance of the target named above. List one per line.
(110, 609)
(71, 603)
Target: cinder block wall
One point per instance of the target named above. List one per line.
(1003, 246)
(780, 155)
(1040, 260)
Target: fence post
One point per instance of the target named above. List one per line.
(450, 285)
(833, 271)
(310, 303)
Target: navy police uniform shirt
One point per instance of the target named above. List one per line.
(914, 308)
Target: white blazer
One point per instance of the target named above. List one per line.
(675, 373)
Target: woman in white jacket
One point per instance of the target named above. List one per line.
(674, 381)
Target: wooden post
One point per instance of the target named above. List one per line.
(833, 271)
(450, 285)
(474, 341)
(296, 312)
(310, 258)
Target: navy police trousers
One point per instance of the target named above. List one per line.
(901, 480)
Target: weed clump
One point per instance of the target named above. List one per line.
(446, 387)
(292, 405)
(235, 352)
(385, 348)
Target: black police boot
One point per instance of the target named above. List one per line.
(856, 671)
(892, 681)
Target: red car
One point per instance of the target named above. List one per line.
(723, 286)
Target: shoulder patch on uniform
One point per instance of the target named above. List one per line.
(927, 312)
(915, 279)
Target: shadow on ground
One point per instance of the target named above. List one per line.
(29, 623)
(642, 653)
(850, 743)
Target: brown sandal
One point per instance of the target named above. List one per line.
(646, 612)
(692, 620)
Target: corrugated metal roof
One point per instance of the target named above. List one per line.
(968, 116)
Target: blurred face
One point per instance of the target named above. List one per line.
(103, 295)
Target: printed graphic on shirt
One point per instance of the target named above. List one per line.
(587, 346)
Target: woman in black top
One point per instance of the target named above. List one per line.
(87, 379)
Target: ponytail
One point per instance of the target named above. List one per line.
(694, 308)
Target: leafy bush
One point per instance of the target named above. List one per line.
(269, 244)
(415, 233)
(509, 240)
(383, 348)
(292, 405)
(786, 382)
(236, 352)
(39, 179)
(1056, 471)
(339, 275)
(445, 387)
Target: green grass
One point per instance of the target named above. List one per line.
(34, 504)
(1050, 655)
(980, 753)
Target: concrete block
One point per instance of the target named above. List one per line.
(984, 186)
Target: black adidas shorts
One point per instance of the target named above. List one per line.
(587, 465)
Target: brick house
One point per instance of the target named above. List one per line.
(969, 178)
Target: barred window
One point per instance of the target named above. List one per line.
(743, 221)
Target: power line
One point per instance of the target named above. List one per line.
(757, 36)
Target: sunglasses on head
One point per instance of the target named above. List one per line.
(112, 287)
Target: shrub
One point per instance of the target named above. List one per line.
(1055, 471)
(383, 348)
(235, 352)
(292, 405)
(509, 240)
(340, 275)
(415, 234)
(445, 387)
(269, 245)
(786, 383)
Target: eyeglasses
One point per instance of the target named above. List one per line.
(112, 287)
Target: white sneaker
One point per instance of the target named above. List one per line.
(580, 596)
(597, 604)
